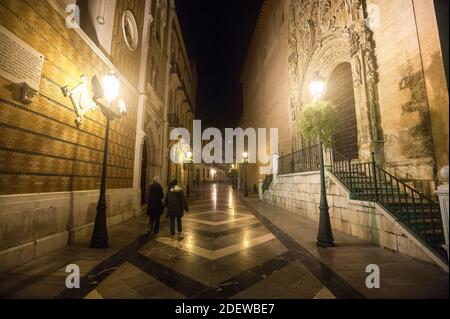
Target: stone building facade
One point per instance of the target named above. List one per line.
(266, 80)
(182, 98)
(50, 167)
(392, 51)
(383, 65)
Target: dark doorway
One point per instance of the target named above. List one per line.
(144, 163)
(340, 93)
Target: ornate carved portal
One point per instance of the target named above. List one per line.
(322, 35)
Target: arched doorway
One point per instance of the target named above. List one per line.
(340, 92)
(144, 164)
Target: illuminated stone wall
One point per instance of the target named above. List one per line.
(49, 168)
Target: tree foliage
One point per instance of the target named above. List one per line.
(318, 121)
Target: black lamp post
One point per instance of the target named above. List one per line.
(245, 155)
(108, 90)
(325, 234)
(233, 176)
(188, 163)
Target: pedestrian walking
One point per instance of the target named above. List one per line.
(155, 206)
(176, 204)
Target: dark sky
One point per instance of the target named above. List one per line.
(217, 35)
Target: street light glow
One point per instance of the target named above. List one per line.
(317, 87)
(111, 86)
(245, 155)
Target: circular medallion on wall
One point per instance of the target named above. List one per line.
(130, 30)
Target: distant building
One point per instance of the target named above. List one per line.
(182, 90)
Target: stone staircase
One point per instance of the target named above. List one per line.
(419, 214)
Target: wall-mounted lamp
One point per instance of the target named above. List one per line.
(81, 99)
(105, 95)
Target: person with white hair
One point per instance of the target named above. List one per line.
(155, 206)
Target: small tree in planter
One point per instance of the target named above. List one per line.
(318, 121)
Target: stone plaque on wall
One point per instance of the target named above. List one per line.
(19, 63)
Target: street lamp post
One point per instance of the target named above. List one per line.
(325, 234)
(245, 156)
(188, 163)
(233, 176)
(109, 90)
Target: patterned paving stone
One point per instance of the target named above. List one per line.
(233, 248)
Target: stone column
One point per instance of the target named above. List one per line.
(274, 167)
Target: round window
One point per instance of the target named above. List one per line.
(130, 30)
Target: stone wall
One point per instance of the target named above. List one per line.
(300, 194)
(413, 100)
(266, 81)
(33, 225)
(42, 149)
(50, 168)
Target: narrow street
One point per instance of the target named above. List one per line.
(233, 248)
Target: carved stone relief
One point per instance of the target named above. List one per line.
(323, 34)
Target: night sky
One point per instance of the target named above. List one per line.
(217, 35)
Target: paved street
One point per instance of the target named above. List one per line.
(233, 248)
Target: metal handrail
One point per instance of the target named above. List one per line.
(416, 211)
(406, 185)
(304, 160)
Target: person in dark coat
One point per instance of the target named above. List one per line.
(155, 206)
(176, 204)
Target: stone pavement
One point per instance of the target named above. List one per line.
(233, 248)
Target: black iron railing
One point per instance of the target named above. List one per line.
(414, 210)
(304, 160)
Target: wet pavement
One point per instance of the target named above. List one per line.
(233, 247)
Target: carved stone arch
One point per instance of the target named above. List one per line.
(324, 58)
(337, 34)
(326, 55)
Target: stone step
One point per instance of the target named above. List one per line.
(423, 222)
